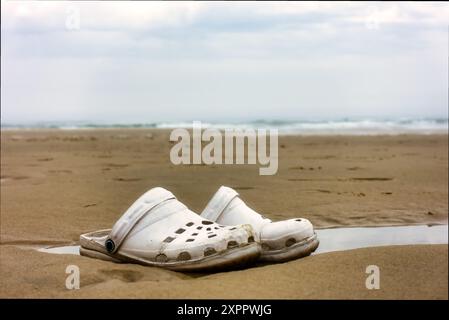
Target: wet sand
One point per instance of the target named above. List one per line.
(57, 184)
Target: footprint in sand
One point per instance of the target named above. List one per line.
(117, 165)
(121, 137)
(127, 179)
(43, 139)
(16, 138)
(79, 138)
(372, 179)
(123, 275)
(323, 191)
(60, 171)
(410, 154)
(353, 168)
(242, 188)
(303, 168)
(324, 157)
(356, 194)
(4, 179)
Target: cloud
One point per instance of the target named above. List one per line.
(131, 59)
(159, 29)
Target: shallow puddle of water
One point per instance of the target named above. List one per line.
(61, 250)
(339, 239)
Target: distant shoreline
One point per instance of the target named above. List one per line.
(331, 127)
(441, 132)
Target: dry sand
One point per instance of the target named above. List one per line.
(56, 185)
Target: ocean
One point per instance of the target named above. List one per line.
(287, 127)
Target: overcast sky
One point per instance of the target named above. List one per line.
(173, 61)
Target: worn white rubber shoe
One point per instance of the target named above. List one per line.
(280, 241)
(158, 230)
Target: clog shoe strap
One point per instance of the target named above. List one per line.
(134, 214)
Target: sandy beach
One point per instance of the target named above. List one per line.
(57, 184)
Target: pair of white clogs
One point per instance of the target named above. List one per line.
(158, 230)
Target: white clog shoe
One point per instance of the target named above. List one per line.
(280, 241)
(158, 230)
